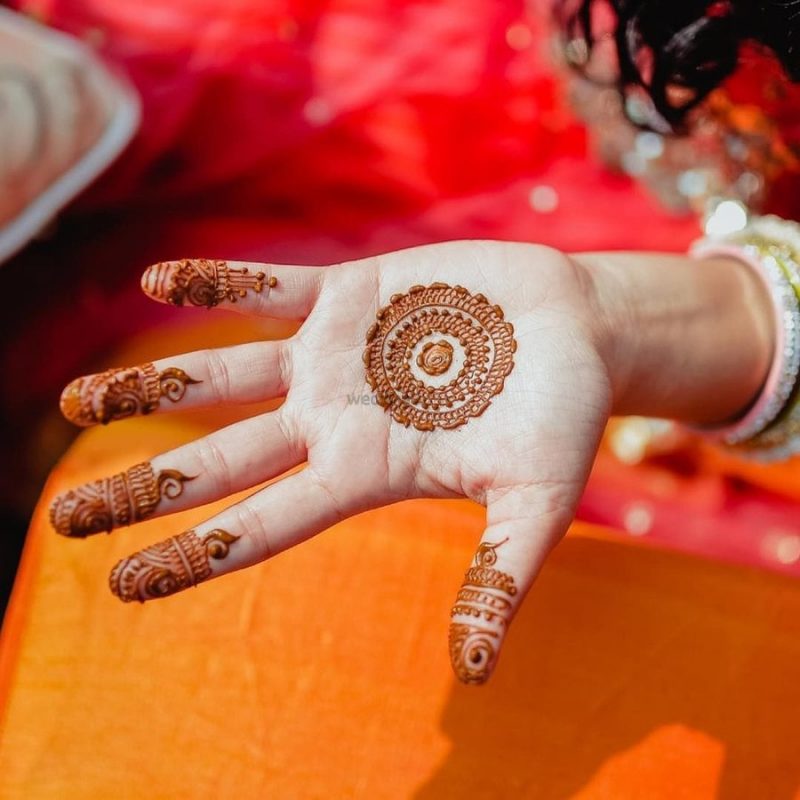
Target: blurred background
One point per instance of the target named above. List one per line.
(303, 131)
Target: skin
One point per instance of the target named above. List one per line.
(597, 334)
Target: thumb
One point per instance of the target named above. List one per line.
(519, 535)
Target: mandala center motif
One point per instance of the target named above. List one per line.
(436, 357)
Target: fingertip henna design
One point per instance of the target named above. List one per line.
(170, 566)
(437, 355)
(202, 282)
(110, 395)
(472, 652)
(485, 596)
(119, 393)
(114, 502)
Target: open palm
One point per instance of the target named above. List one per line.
(427, 398)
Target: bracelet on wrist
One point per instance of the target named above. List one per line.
(770, 428)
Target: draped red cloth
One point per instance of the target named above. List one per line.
(330, 129)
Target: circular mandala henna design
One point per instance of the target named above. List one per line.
(437, 355)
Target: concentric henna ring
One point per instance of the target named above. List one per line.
(437, 355)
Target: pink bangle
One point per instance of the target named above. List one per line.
(782, 377)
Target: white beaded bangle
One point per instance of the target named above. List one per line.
(751, 246)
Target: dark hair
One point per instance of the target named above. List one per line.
(680, 50)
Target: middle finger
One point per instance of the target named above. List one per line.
(227, 461)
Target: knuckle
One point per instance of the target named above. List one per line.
(253, 525)
(219, 375)
(284, 360)
(216, 465)
(336, 509)
(287, 427)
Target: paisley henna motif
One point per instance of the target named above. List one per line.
(119, 393)
(173, 382)
(437, 355)
(485, 597)
(114, 502)
(170, 566)
(201, 282)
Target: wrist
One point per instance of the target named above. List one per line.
(682, 338)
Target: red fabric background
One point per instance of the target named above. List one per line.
(311, 132)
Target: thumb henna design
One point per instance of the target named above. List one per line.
(484, 598)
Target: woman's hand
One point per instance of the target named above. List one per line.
(525, 454)
(468, 369)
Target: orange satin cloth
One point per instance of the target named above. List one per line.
(629, 672)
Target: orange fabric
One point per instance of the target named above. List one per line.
(629, 672)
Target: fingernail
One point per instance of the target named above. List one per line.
(483, 609)
(202, 282)
(119, 393)
(170, 566)
(114, 502)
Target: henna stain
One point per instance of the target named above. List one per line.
(484, 595)
(202, 282)
(436, 357)
(170, 566)
(472, 652)
(114, 502)
(476, 356)
(173, 382)
(119, 393)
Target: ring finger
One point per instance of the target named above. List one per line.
(247, 373)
